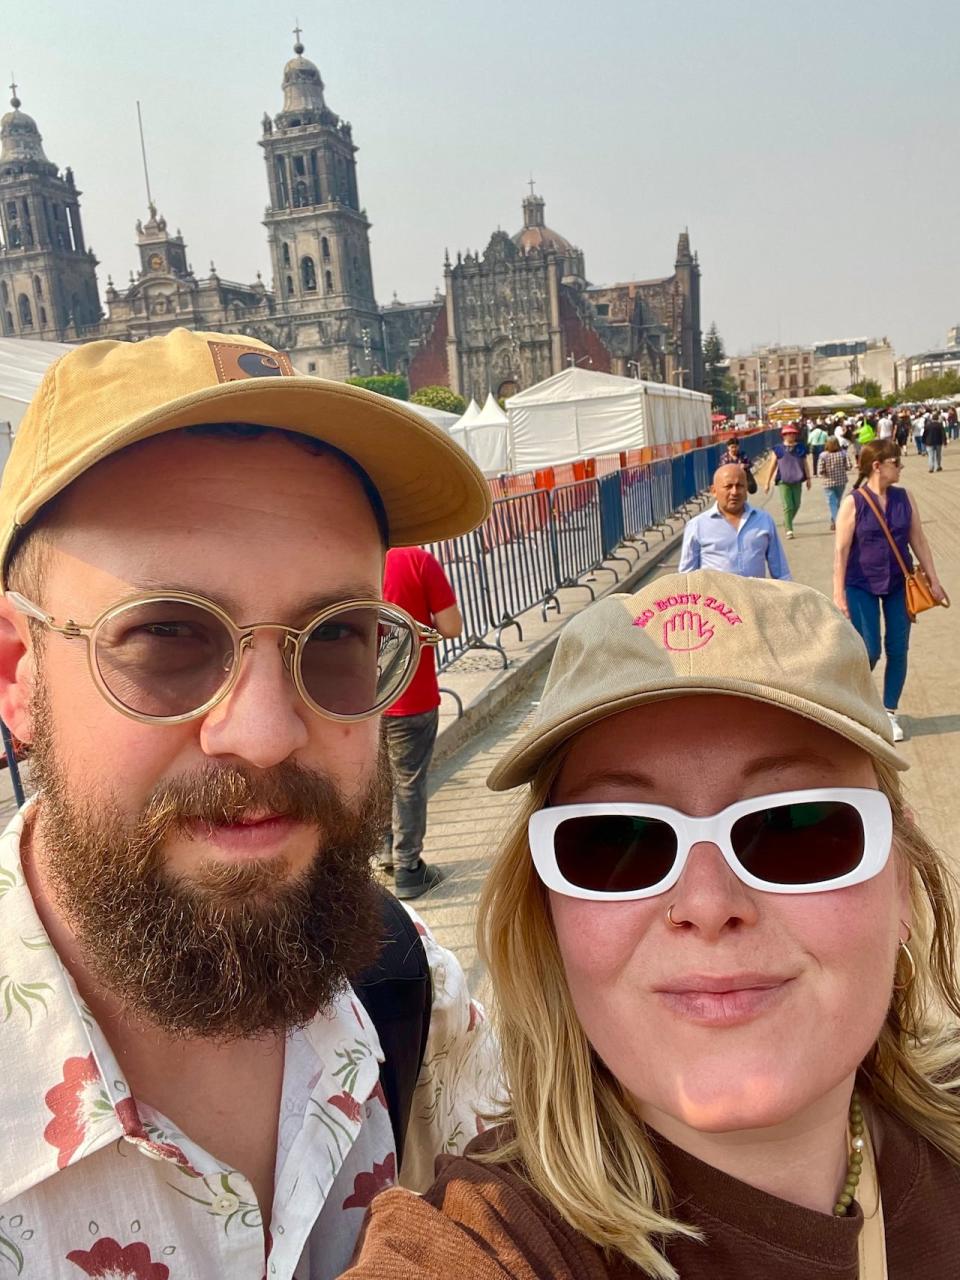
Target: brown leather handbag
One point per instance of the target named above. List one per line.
(920, 595)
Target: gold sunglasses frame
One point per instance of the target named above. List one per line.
(242, 636)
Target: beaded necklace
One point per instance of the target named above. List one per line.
(855, 1163)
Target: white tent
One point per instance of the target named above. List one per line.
(439, 417)
(580, 413)
(484, 434)
(23, 363)
(821, 404)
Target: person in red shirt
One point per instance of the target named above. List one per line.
(414, 579)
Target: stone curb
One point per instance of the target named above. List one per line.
(509, 685)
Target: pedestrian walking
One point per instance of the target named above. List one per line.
(953, 424)
(919, 425)
(414, 579)
(816, 439)
(733, 454)
(220, 1024)
(934, 441)
(833, 469)
(733, 536)
(867, 578)
(902, 430)
(885, 427)
(724, 1052)
(865, 433)
(789, 466)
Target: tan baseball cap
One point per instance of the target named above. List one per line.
(706, 632)
(105, 395)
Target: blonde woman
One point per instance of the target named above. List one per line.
(723, 955)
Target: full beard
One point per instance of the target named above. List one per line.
(233, 951)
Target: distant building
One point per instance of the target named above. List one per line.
(508, 317)
(844, 362)
(953, 336)
(48, 276)
(929, 364)
(523, 309)
(772, 373)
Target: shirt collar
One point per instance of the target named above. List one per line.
(748, 511)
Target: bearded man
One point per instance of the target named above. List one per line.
(194, 645)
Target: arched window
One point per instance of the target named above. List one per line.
(300, 199)
(308, 275)
(26, 314)
(37, 287)
(43, 317)
(286, 255)
(8, 322)
(289, 286)
(328, 281)
(325, 248)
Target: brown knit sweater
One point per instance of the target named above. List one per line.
(483, 1222)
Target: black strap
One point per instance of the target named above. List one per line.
(397, 993)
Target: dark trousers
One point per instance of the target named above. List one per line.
(865, 616)
(409, 742)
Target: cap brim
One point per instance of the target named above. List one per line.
(534, 748)
(430, 487)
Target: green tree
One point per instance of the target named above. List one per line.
(935, 388)
(718, 383)
(871, 391)
(387, 384)
(824, 389)
(439, 398)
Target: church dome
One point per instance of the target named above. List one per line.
(302, 85)
(20, 138)
(536, 234)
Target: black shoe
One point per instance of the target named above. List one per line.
(411, 882)
(384, 867)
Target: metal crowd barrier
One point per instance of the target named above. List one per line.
(540, 541)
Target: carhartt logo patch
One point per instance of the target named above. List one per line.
(234, 362)
(692, 619)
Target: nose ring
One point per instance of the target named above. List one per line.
(670, 920)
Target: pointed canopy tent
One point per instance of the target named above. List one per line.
(485, 436)
(581, 413)
(472, 411)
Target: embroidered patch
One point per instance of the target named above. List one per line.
(234, 362)
(690, 624)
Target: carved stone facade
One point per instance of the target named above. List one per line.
(522, 309)
(318, 233)
(48, 277)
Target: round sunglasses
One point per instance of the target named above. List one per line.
(788, 842)
(170, 657)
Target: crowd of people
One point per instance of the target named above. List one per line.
(721, 951)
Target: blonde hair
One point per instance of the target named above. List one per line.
(574, 1129)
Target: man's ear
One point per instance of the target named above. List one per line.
(17, 672)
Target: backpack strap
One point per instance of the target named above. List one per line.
(397, 993)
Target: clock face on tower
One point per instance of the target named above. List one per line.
(156, 262)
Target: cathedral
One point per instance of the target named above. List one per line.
(507, 317)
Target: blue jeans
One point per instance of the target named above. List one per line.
(933, 453)
(865, 615)
(834, 494)
(918, 441)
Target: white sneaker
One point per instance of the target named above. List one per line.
(789, 533)
(895, 726)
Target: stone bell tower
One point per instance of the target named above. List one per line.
(48, 277)
(318, 233)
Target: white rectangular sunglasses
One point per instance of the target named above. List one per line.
(789, 842)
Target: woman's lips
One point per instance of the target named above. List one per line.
(723, 1001)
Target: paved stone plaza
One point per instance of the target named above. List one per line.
(466, 819)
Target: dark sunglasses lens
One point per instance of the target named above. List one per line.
(356, 660)
(614, 853)
(164, 657)
(809, 843)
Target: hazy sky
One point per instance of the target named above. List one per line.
(810, 147)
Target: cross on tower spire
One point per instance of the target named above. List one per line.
(531, 185)
(298, 32)
(14, 101)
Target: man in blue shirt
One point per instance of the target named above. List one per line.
(732, 535)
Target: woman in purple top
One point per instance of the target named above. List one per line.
(866, 575)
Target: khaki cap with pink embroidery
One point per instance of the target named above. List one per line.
(706, 632)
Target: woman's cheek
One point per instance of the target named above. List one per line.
(598, 940)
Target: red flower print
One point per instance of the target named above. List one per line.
(475, 1016)
(66, 1100)
(378, 1094)
(366, 1185)
(109, 1260)
(346, 1103)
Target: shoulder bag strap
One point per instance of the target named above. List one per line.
(872, 1245)
(871, 503)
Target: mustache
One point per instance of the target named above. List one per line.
(219, 794)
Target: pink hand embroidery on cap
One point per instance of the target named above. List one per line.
(686, 631)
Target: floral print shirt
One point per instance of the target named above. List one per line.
(93, 1183)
